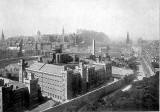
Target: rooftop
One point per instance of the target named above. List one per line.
(14, 83)
(121, 71)
(46, 68)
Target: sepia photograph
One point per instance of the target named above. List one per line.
(79, 55)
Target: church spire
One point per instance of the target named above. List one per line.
(63, 31)
(2, 36)
(128, 39)
(63, 34)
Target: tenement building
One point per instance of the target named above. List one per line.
(14, 96)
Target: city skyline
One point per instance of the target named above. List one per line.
(113, 17)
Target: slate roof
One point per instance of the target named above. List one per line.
(46, 68)
(35, 66)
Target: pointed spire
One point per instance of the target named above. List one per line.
(20, 47)
(63, 31)
(38, 33)
(128, 40)
(2, 36)
(63, 34)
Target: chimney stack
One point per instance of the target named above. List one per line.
(40, 59)
(93, 47)
(58, 58)
(21, 70)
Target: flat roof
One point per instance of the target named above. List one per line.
(121, 71)
(18, 84)
(12, 82)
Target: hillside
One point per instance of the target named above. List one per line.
(87, 36)
(142, 96)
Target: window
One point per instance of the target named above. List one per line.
(32, 75)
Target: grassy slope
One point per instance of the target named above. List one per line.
(144, 95)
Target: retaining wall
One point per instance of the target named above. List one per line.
(87, 98)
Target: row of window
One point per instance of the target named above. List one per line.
(53, 95)
(108, 69)
(60, 85)
(48, 79)
(46, 75)
(51, 75)
(52, 88)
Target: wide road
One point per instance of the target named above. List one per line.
(145, 65)
(147, 69)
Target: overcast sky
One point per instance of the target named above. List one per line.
(113, 17)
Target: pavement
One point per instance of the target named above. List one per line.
(141, 73)
(144, 68)
(147, 68)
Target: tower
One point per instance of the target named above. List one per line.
(2, 36)
(128, 39)
(36, 48)
(21, 70)
(63, 34)
(93, 47)
(38, 36)
(63, 31)
(22, 66)
(38, 33)
(20, 48)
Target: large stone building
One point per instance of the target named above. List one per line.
(52, 80)
(63, 82)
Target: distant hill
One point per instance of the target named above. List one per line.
(88, 35)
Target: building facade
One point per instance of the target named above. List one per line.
(63, 82)
(52, 79)
(14, 97)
